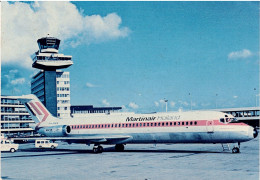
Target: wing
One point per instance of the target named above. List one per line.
(97, 139)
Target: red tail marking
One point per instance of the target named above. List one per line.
(46, 114)
(35, 108)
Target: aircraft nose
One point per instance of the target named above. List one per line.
(255, 133)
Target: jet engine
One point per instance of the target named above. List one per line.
(54, 131)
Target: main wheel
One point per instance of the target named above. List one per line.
(52, 147)
(235, 150)
(119, 147)
(95, 150)
(100, 149)
(12, 150)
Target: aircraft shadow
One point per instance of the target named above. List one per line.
(58, 152)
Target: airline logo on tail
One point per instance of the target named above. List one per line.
(36, 109)
(39, 111)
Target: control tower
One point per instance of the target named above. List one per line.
(48, 57)
(52, 85)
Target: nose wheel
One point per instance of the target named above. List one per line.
(236, 149)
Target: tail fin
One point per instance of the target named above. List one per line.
(36, 109)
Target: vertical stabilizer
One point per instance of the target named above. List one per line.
(36, 109)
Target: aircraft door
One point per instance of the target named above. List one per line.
(210, 126)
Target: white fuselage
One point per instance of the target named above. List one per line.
(179, 127)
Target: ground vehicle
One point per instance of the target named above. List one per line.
(45, 144)
(7, 145)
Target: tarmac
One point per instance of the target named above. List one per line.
(143, 161)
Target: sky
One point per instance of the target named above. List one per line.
(196, 55)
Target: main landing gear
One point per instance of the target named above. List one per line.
(97, 149)
(119, 147)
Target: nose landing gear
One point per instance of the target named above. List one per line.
(236, 149)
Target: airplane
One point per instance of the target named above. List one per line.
(120, 129)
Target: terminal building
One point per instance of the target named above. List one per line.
(15, 119)
(248, 115)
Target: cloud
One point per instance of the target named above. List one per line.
(104, 102)
(205, 104)
(245, 53)
(172, 104)
(133, 105)
(11, 80)
(235, 97)
(156, 103)
(89, 85)
(18, 81)
(184, 103)
(161, 101)
(31, 21)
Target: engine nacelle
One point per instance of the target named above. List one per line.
(52, 131)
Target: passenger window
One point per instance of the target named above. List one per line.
(222, 120)
(159, 124)
(102, 125)
(122, 125)
(134, 125)
(166, 124)
(84, 126)
(95, 126)
(125, 125)
(147, 124)
(92, 126)
(80, 126)
(154, 124)
(129, 125)
(108, 125)
(195, 123)
(119, 125)
(182, 123)
(179, 123)
(111, 125)
(151, 124)
(115, 125)
(144, 124)
(170, 123)
(187, 123)
(162, 124)
(105, 126)
(174, 123)
(140, 124)
(191, 123)
(98, 126)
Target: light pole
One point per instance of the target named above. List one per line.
(216, 100)
(190, 101)
(166, 102)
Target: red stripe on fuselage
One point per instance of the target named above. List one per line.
(35, 108)
(152, 124)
